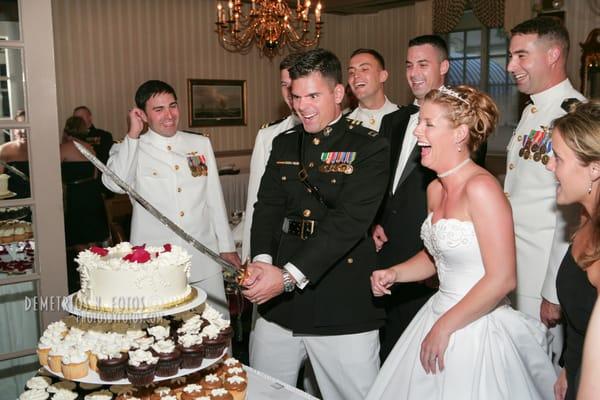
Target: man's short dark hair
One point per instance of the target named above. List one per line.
(437, 42)
(372, 52)
(318, 60)
(149, 89)
(82, 108)
(290, 60)
(548, 28)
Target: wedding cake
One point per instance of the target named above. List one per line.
(127, 278)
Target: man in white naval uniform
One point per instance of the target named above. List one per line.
(538, 55)
(262, 147)
(366, 77)
(177, 173)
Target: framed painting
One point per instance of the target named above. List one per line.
(216, 102)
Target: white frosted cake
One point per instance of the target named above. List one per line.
(128, 278)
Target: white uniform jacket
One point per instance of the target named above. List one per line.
(540, 226)
(158, 168)
(258, 163)
(372, 118)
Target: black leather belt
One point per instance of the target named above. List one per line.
(304, 228)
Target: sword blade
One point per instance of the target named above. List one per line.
(15, 171)
(231, 274)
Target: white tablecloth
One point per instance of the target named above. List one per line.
(262, 386)
(235, 191)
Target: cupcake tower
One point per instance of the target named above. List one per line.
(139, 352)
(225, 380)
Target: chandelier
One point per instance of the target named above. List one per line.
(269, 24)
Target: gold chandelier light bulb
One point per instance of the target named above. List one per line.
(271, 25)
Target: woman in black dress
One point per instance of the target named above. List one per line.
(576, 164)
(85, 215)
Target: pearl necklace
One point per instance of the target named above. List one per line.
(454, 169)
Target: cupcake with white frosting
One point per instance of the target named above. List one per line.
(56, 355)
(64, 394)
(75, 364)
(141, 367)
(111, 363)
(34, 394)
(169, 357)
(192, 350)
(159, 332)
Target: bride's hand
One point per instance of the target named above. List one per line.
(381, 281)
(433, 349)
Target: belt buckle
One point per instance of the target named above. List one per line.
(310, 223)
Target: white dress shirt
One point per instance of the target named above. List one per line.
(408, 144)
(372, 118)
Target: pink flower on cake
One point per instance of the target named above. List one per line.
(99, 250)
(167, 248)
(139, 255)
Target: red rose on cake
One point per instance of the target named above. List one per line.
(138, 255)
(99, 250)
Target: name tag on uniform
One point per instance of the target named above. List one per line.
(197, 164)
(537, 145)
(337, 161)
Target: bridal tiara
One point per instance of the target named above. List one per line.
(452, 93)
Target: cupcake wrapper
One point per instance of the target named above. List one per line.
(54, 362)
(238, 395)
(191, 359)
(43, 356)
(141, 376)
(168, 367)
(213, 350)
(111, 373)
(75, 371)
(93, 359)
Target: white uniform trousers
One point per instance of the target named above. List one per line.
(531, 306)
(215, 291)
(345, 366)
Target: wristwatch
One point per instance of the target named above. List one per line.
(288, 282)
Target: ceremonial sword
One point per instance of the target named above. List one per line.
(234, 276)
(14, 170)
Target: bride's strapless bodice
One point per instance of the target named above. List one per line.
(455, 250)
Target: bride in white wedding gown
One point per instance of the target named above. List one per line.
(466, 342)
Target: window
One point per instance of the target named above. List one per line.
(478, 57)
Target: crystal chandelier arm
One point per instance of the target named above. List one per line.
(269, 24)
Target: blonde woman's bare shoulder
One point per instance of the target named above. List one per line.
(484, 194)
(434, 194)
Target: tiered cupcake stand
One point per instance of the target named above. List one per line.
(71, 306)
